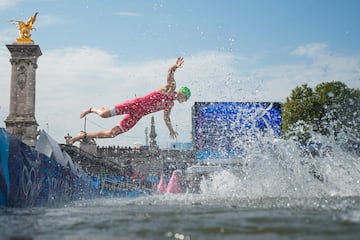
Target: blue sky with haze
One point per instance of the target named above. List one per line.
(99, 53)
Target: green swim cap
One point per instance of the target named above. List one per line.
(186, 91)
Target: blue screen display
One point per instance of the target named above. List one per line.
(220, 128)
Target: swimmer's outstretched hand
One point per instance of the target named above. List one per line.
(173, 135)
(179, 62)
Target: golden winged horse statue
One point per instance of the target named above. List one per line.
(25, 28)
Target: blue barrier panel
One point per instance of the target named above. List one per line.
(4, 169)
(29, 178)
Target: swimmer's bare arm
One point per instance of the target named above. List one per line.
(170, 81)
(167, 120)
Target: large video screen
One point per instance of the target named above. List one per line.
(220, 128)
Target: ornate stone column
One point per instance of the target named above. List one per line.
(21, 121)
(153, 144)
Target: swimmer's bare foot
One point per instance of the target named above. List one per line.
(85, 112)
(81, 135)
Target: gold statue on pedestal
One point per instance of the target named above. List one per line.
(25, 28)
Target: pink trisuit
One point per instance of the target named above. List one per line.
(136, 108)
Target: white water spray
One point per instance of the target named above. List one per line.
(275, 167)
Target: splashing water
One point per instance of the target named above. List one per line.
(278, 168)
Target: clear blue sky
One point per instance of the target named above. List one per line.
(99, 53)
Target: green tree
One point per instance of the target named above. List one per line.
(329, 109)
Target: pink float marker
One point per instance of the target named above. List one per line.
(174, 183)
(161, 188)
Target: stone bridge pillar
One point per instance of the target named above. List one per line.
(21, 121)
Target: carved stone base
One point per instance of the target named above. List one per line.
(24, 129)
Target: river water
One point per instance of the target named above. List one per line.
(278, 192)
(188, 217)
